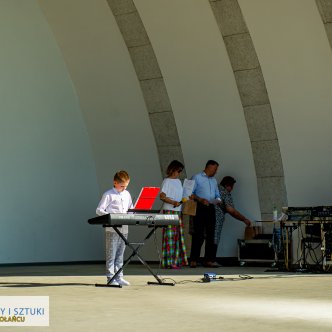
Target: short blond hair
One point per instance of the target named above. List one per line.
(121, 176)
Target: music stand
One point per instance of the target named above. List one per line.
(146, 198)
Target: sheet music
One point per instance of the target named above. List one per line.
(146, 198)
(188, 187)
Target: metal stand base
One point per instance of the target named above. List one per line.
(161, 283)
(108, 285)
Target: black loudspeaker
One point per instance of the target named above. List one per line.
(256, 251)
(313, 230)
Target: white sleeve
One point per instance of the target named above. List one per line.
(130, 203)
(102, 206)
(165, 187)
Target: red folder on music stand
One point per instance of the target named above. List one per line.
(146, 198)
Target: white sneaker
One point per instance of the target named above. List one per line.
(113, 283)
(123, 282)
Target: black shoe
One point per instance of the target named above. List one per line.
(212, 264)
(193, 264)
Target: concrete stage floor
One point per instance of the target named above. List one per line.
(267, 301)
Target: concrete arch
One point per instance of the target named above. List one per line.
(325, 10)
(151, 81)
(255, 102)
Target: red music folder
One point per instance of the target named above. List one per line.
(146, 198)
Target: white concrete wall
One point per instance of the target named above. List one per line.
(73, 113)
(48, 181)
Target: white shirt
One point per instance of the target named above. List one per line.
(115, 202)
(172, 188)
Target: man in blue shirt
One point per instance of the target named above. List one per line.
(206, 194)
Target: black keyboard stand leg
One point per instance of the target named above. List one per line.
(109, 283)
(159, 281)
(132, 255)
(136, 253)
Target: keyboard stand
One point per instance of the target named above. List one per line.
(135, 252)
